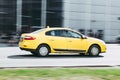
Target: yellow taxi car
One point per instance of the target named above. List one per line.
(60, 40)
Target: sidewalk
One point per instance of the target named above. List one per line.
(8, 45)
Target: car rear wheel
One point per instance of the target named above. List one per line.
(94, 50)
(82, 54)
(43, 50)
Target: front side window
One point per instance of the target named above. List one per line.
(73, 34)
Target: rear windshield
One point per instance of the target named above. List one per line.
(37, 31)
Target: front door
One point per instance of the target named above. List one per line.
(75, 42)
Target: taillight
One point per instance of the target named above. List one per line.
(29, 38)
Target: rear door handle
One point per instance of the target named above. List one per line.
(51, 40)
(69, 41)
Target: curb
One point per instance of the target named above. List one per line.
(87, 66)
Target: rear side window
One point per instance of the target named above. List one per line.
(50, 33)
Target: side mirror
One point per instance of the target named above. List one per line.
(84, 37)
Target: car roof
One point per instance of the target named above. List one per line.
(55, 28)
(58, 28)
(52, 28)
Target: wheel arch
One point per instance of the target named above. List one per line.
(44, 44)
(96, 45)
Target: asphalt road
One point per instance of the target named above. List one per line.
(14, 57)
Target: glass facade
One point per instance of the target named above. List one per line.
(26, 15)
(7, 16)
(31, 14)
(54, 13)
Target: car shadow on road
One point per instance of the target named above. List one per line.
(29, 56)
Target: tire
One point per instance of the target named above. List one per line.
(43, 50)
(34, 53)
(82, 54)
(94, 50)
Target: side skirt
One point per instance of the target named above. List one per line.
(71, 50)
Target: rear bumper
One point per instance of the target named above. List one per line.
(27, 46)
(26, 49)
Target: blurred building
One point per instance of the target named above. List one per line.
(7, 16)
(101, 18)
(39, 13)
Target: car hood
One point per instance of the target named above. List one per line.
(95, 40)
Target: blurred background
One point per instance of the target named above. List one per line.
(95, 18)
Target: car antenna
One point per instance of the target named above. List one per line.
(48, 26)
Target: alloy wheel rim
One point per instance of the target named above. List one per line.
(43, 51)
(95, 51)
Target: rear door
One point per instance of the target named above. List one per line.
(57, 40)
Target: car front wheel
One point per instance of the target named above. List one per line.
(43, 50)
(94, 50)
